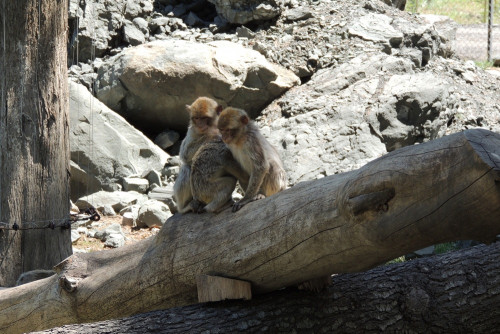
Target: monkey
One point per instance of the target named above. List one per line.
(34, 275)
(203, 113)
(214, 173)
(255, 154)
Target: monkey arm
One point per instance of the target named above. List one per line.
(182, 188)
(233, 168)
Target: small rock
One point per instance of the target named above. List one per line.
(245, 32)
(74, 236)
(427, 251)
(298, 14)
(115, 240)
(133, 35)
(170, 171)
(135, 184)
(193, 20)
(128, 219)
(108, 210)
(111, 229)
(167, 139)
(153, 213)
(173, 161)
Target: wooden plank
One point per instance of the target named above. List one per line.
(216, 288)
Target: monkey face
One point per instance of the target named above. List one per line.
(228, 135)
(202, 123)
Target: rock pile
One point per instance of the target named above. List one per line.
(332, 84)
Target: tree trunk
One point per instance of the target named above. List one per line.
(444, 190)
(34, 144)
(457, 292)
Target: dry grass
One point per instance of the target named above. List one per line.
(461, 11)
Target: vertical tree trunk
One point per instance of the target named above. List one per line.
(34, 146)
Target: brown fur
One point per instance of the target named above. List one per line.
(254, 153)
(202, 128)
(214, 173)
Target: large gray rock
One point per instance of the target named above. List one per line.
(244, 11)
(117, 199)
(150, 84)
(104, 147)
(347, 116)
(410, 110)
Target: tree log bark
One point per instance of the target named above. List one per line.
(34, 135)
(444, 190)
(457, 292)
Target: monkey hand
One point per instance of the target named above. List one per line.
(238, 205)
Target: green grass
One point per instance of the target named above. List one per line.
(461, 11)
(484, 64)
(445, 248)
(400, 259)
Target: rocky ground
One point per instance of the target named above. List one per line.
(332, 84)
(85, 243)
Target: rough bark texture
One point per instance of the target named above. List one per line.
(444, 190)
(34, 154)
(452, 293)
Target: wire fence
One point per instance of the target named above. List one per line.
(478, 32)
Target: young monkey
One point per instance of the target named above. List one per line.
(202, 128)
(254, 153)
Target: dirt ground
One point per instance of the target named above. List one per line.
(132, 235)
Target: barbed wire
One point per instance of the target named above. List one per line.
(65, 223)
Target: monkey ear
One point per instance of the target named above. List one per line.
(188, 108)
(244, 120)
(218, 109)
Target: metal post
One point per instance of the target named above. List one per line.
(490, 29)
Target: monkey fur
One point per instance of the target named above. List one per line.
(254, 153)
(34, 275)
(214, 173)
(202, 128)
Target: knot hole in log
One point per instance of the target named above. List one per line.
(361, 206)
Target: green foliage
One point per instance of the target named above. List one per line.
(444, 248)
(400, 259)
(484, 64)
(461, 11)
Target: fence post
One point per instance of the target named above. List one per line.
(490, 29)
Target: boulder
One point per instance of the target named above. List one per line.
(104, 147)
(116, 199)
(346, 116)
(151, 84)
(410, 110)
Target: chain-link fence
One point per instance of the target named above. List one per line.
(478, 33)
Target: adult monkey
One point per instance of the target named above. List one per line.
(255, 154)
(203, 113)
(214, 173)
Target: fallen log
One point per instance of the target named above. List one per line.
(456, 292)
(444, 190)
